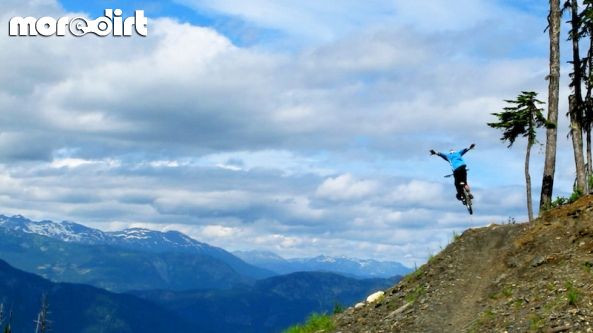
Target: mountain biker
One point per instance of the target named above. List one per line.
(459, 168)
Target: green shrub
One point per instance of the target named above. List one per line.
(518, 303)
(559, 201)
(413, 276)
(572, 294)
(414, 294)
(505, 292)
(575, 196)
(316, 323)
(573, 297)
(536, 323)
(338, 308)
(479, 324)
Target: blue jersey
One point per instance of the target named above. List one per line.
(454, 158)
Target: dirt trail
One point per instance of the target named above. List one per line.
(461, 294)
(449, 293)
(487, 261)
(513, 277)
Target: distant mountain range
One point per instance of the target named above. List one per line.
(81, 308)
(271, 304)
(268, 306)
(129, 260)
(136, 239)
(179, 280)
(251, 265)
(114, 268)
(359, 268)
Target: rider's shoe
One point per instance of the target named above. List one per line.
(459, 197)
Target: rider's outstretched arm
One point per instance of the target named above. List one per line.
(465, 150)
(443, 156)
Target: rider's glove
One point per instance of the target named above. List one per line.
(472, 146)
(432, 152)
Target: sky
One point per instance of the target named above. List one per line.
(298, 127)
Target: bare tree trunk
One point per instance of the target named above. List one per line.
(553, 89)
(575, 102)
(577, 144)
(588, 172)
(528, 181)
(588, 112)
(576, 58)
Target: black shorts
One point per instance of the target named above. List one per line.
(460, 175)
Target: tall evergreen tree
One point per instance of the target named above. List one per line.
(7, 328)
(587, 31)
(575, 101)
(42, 322)
(522, 118)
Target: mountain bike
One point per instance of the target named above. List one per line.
(466, 196)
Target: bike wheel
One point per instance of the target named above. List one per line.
(468, 201)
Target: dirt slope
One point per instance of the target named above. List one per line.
(501, 278)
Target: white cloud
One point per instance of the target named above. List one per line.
(309, 19)
(164, 163)
(419, 194)
(220, 202)
(218, 231)
(191, 88)
(290, 163)
(68, 162)
(325, 21)
(346, 187)
(435, 15)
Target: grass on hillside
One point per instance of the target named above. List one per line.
(316, 323)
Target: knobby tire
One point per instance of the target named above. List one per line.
(468, 201)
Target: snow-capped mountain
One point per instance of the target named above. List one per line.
(65, 231)
(177, 242)
(133, 238)
(152, 240)
(349, 266)
(137, 238)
